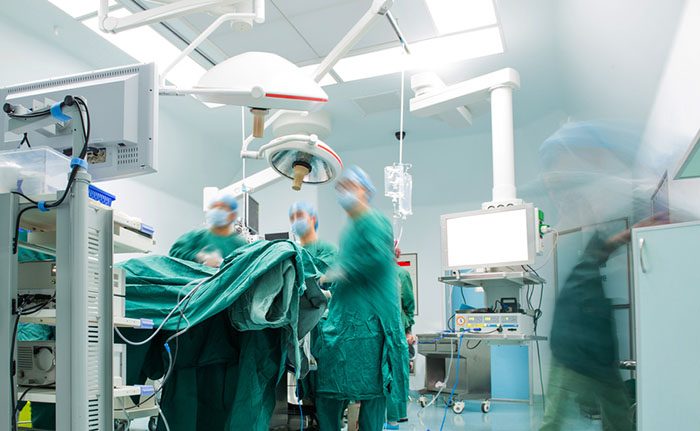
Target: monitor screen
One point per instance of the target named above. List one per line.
(489, 238)
(277, 235)
(252, 209)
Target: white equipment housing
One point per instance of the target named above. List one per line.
(36, 362)
(123, 104)
(488, 323)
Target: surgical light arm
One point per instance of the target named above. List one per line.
(166, 12)
(269, 176)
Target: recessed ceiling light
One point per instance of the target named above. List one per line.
(426, 54)
(451, 16)
(375, 63)
(147, 45)
(77, 8)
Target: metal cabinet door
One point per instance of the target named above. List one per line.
(666, 264)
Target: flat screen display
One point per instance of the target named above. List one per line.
(488, 239)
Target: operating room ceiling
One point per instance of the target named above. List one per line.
(584, 58)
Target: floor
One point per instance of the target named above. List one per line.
(503, 416)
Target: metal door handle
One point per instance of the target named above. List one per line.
(641, 255)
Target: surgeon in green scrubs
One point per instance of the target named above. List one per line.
(362, 346)
(211, 245)
(304, 220)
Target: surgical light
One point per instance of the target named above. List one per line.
(298, 152)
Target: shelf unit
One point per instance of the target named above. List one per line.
(83, 235)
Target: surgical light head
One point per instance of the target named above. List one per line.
(262, 81)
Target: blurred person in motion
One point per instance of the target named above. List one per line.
(593, 176)
(362, 347)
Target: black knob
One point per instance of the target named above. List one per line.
(7, 108)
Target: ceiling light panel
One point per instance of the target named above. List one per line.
(452, 16)
(147, 45)
(426, 54)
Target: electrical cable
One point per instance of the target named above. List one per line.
(459, 347)
(447, 379)
(142, 342)
(86, 126)
(126, 414)
(172, 358)
(433, 340)
(461, 291)
(24, 139)
(301, 410)
(475, 346)
(162, 416)
(551, 252)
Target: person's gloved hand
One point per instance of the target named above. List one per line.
(411, 339)
(213, 260)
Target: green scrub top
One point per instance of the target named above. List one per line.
(362, 348)
(408, 302)
(324, 254)
(188, 245)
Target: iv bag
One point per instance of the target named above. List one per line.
(398, 185)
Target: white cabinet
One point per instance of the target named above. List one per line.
(667, 292)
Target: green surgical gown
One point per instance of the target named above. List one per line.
(362, 348)
(188, 245)
(408, 302)
(324, 254)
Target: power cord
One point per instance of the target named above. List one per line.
(86, 125)
(459, 347)
(25, 139)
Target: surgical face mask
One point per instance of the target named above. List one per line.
(300, 227)
(347, 200)
(217, 217)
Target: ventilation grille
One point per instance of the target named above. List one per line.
(93, 348)
(25, 357)
(127, 156)
(73, 80)
(378, 103)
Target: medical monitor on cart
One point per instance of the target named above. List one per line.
(489, 238)
(123, 107)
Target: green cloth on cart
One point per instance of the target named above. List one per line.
(244, 322)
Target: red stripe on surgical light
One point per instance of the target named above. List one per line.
(286, 96)
(332, 154)
(403, 263)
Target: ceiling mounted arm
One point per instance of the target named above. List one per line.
(378, 10)
(111, 24)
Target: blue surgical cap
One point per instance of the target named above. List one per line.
(229, 200)
(580, 140)
(357, 175)
(306, 207)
